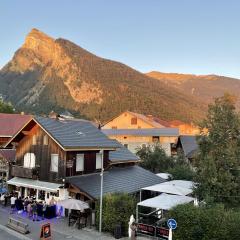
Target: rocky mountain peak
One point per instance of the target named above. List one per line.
(37, 40)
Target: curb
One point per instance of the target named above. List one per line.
(14, 233)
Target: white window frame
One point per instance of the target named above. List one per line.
(80, 163)
(98, 161)
(54, 166)
(29, 160)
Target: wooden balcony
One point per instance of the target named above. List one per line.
(20, 171)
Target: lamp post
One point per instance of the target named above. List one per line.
(101, 193)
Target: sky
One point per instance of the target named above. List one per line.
(180, 36)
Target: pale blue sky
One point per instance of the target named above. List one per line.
(185, 36)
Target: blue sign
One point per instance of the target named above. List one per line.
(172, 223)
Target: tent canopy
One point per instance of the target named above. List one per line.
(178, 187)
(73, 204)
(165, 201)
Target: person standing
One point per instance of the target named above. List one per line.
(44, 208)
(2, 199)
(34, 210)
(133, 228)
(13, 201)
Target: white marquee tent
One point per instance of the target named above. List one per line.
(177, 187)
(165, 201)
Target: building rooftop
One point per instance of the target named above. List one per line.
(116, 180)
(170, 132)
(75, 133)
(12, 123)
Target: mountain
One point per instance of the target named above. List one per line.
(203, 87)
(55, 74)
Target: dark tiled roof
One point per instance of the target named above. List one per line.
(122, 155)
(189, 145)
(143, 132)
(127, 179)
(10, 124)
(8, 154)
(76, 133)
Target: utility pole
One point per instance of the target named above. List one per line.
(101, 193)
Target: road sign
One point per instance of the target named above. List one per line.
(172, 223)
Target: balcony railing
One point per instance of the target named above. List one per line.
(20, 171)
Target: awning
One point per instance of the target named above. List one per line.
(35, 184)
(165, 201)
(178, 187)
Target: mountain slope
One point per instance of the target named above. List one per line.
(47, 74)
(203, 87)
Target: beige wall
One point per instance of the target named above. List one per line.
(135, 142)
(123, 121)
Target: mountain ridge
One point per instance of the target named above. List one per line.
(55, 74)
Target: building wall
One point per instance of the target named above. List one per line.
(42, 153)
(135, 142)
(123, 121)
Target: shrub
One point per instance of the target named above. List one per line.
(205, 223)
(117, 209)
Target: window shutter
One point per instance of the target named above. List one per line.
(80, 162)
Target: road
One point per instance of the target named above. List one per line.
(6, 236)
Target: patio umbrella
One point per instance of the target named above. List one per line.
(73, 204)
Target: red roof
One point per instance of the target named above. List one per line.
(8, 154)
(10, 124)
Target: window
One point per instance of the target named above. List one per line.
(54, 163)
(98, 161)
(155, 139)
(45, 140)
(134, 121)
(80, 162)
(125, 145)
(34, 140)
(29, 160)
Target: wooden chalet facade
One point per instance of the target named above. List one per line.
(43, 155)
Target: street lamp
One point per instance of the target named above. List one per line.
(101, 193)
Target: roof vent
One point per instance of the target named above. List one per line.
(80, 133)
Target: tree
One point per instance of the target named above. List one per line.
(6, 107)
(219, 154)
(154, 159)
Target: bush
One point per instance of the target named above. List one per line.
(205, 223)
(117, 209)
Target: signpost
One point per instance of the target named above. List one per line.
(172, 224)
(46, 232)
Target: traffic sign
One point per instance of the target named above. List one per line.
(172, 223)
